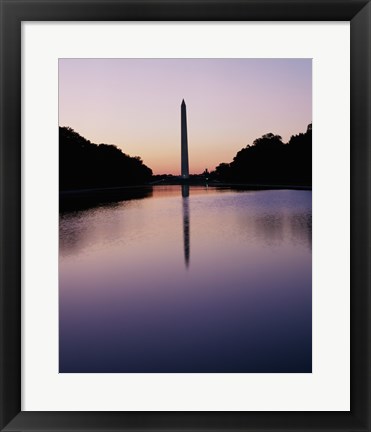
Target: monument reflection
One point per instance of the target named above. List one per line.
(186, 236)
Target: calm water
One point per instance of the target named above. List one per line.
(199, 280)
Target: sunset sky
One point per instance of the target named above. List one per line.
(135, 104)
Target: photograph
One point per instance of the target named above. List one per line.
(185, 215)
(181, 250)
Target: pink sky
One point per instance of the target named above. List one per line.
(135, 104)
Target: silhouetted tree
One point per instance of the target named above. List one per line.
(222, 172)
(269, 161)
(86, 165)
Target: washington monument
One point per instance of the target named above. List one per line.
(185, 169)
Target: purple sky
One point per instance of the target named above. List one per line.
(135, 104)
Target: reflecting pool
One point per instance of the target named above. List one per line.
(187, 279)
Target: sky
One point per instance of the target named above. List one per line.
(135, 105)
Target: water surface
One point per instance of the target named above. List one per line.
(188, 280)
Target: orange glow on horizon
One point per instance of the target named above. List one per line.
(135, 105)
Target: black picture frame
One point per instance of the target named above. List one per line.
(13, 12)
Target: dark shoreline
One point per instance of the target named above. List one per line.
(79, 199)
(117, 189)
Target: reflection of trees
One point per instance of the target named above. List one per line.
(274, 228)
(186, 226)
(84, 199)
(73, 232)
(301, 227)
(270, 226)
(75, 223)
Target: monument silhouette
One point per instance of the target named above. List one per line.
(186, 223)
(184, 151)
(185, 187)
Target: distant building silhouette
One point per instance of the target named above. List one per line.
(184, 154)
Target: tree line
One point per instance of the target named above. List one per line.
(83, 164)
(270, 161)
